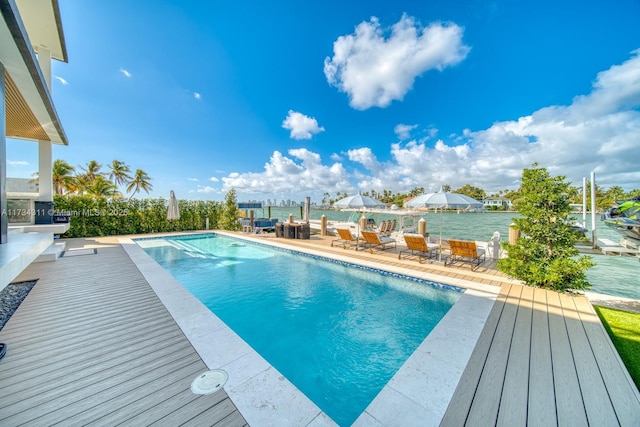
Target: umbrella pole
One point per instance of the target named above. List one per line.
(440, 252)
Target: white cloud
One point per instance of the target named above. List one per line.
(404, 131)
(17, 163)
(192, 179)
(205, 189)
(125, 72)
(597, 131)
(374, 70)
(61, 80)
(301, 126)
(214, 179)
(302, 172)
(196, 95)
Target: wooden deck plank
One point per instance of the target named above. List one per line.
(52, 396)
(486, 403)
(622, 392)
(90, 340)
(569, 404)
(458, 409)
(86, 364)
(515, 393)
(541, 401)
(594, 393)
(73, 354)
(207, 417)
(127, 405)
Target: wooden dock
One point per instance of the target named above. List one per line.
(543, 359)
(93, 345)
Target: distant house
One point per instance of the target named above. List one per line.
(497, 203)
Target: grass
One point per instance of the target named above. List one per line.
(624, 329)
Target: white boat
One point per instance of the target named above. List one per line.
(403, 221)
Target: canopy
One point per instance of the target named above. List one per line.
(358, 201)
(444, 200)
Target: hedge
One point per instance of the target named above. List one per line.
(100, 216)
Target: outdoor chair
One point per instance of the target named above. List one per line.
(465, 251)
(346, 238)
(374, 240)
(418, 245)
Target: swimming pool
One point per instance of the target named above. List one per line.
(337, 332)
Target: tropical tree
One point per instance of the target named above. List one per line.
(119, 172)
(140, 181)
(545, 255)
(228, 219)
(471, 191)
(62, 176)
(102, 187)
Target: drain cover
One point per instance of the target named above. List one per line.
(209, 382)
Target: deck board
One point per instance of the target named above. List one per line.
(93, 344)
(549, 363)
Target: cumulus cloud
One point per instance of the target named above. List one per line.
(125, 73)
(301, 126)
(301, 171)
(192, 179)
(205, 189)
(404, 131)
(61, 80)
(17, 163)
(374, 70)
(196, 95)
(214, 179)
(598, 131)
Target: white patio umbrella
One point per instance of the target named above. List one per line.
(358, 202)
(442, 200)
(173, 212)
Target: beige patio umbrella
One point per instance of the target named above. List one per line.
(173, 212)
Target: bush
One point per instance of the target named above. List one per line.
(545, 256)
(100, 216)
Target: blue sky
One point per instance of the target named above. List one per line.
(286, 99)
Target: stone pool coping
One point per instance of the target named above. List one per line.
(418, 393)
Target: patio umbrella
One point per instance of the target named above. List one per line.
(442, 200)
(358, 202)
(173, 212)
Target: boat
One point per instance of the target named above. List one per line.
(406, 221)
(624, 218)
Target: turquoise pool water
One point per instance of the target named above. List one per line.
(336, 331)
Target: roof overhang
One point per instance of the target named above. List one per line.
(30, 113)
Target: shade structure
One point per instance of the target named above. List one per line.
(444, 200)
(173, 212)
(358, 202)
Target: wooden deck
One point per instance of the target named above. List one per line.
(93, 345)
(543, 359)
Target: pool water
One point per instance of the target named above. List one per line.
(336, 331)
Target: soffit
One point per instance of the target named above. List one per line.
(25, 89)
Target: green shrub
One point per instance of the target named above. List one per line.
(101, 216)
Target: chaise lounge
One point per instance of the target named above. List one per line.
(465, 251)
(417, 244)
(346, 238)
(374, 240)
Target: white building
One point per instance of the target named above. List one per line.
(31, 37)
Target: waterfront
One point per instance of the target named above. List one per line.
(612, 275)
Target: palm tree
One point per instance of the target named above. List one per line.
(102, 187)
(63, 180)
(119, 172)
(140, 181)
